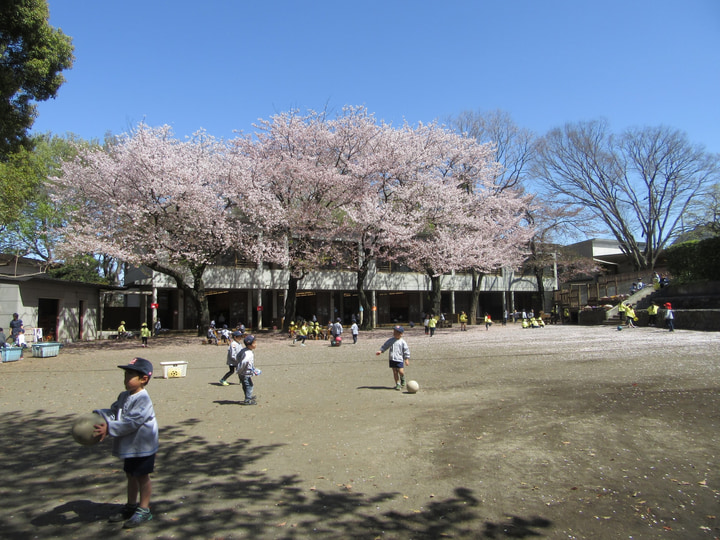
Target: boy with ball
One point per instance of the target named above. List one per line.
(131, 422)
(399, 355)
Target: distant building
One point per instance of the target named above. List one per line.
(49, 308)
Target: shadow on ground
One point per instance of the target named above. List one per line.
(209, 490)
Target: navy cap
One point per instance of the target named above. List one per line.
(237, 333)
(398, 329)
(140, 365)
(249, 340)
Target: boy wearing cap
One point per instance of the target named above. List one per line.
(233, 356)
(399, 355)
(131, 422)
(246, 370)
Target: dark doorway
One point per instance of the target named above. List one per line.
(81, 319)
(48, 317)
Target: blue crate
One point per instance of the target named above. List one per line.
(11, 354)
(45, 350)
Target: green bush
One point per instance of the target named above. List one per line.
(696, 260)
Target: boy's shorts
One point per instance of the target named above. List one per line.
(139, 466)
(397, 364)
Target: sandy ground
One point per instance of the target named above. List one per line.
(561, 432)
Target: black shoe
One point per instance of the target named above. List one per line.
(126, 512)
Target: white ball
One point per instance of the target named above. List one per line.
(83, 428)
(412, 387)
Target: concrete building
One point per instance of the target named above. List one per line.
(51, 309)
(256, 296)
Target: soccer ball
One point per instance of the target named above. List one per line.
(83, 427)
(412, 387)
(620, 327)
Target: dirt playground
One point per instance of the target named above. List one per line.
(560, 432)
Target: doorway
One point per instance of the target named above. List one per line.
(48, 317)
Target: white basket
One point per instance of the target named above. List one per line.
(174, 370)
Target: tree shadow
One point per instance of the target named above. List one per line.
(516, 527)
(206, 489)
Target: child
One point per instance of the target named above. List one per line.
(302, 334)
(669, 317)
(399, 355)
(630, 316)
(354, 330)
(3, 339)
(144, 334)
(212, 337)
(20, 339)
(225, 335)
(432, 324)
(246, 370)
(131, 422)
(488, 321)
(233, 356)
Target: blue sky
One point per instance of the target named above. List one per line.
(222, 64)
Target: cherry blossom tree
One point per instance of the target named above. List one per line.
(294, 186)
(152, 200)
(466, 222)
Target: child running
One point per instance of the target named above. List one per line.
(233, 356)
(399, 355)
(131, 422)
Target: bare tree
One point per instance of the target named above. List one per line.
(703, 217)
(513, 151)
(513, 145)
(638, 184)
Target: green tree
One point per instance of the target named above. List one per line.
(32, 56)
(83, 268)
(32, 221)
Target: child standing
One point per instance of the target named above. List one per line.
(233, 356)
(399, 355)
(355, 331)
(144, 334)
(131, 422)
(246, 370)
(669, 317)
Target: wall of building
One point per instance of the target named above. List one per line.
(75, 311)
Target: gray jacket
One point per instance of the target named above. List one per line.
(131, 422)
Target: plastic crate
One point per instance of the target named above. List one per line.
(173, 370)
(11, 354)
(45, 350)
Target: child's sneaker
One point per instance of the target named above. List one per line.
(397, 386)
(224, 382)
(125, 512)
(140, 516)
(402, 381)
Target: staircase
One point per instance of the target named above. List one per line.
(640, 301)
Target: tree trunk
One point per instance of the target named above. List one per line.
(435, 295)
(200, 299)
(196, 293)
(290, 302)
(477, 278)
(362, 297)
(539, 277)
